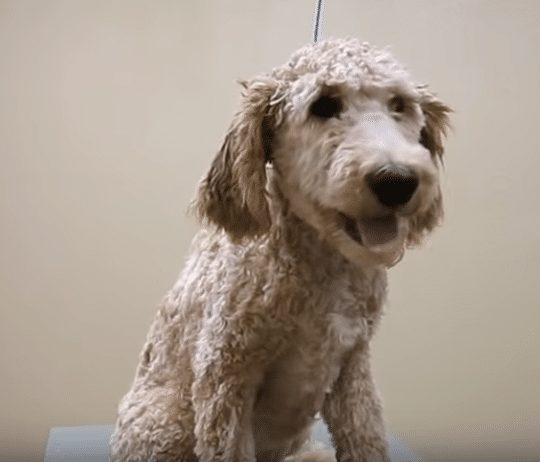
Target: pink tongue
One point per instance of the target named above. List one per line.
(378, 231)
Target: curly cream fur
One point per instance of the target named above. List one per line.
(271, 319)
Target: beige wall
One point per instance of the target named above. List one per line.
(111, 110)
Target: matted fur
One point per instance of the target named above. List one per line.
(271, 319)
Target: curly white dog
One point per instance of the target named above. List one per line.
(329, 170)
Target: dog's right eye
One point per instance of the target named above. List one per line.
(326, 107)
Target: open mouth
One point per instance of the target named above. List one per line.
(373, 232)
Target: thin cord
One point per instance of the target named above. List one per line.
(317, 21)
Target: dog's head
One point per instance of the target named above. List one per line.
(354, 147)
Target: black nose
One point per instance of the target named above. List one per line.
(393, 186)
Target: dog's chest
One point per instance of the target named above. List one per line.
(295, 387)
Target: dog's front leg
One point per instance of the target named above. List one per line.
(353, 412)
(228, 366)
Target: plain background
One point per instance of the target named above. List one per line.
(110, 111)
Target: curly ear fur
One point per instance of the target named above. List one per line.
(436, 125)
(232, 194)
(432, 136)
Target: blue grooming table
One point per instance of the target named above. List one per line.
(90, 443)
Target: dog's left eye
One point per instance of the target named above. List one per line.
(397, 105)
(326, 107)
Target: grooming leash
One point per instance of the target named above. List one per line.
(316, 25)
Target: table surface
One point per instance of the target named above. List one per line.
(90, 443)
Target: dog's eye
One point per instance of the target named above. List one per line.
(326, 107)
(397, 105)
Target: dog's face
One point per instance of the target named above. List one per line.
(354, 147)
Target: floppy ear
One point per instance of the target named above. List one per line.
(232, 195)
(432, 137)
(436, 125)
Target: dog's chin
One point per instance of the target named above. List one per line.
(382, 237)
(365, 241)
